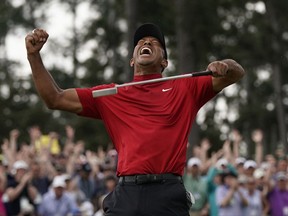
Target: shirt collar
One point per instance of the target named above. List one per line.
(138, 78)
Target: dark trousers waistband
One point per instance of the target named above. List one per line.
(149, 178)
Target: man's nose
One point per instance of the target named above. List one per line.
(147, 42)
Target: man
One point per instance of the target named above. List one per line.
(278, 195)
(197, 185)
(20, 190)
(148, 124)
(57, 201)
(229, 196)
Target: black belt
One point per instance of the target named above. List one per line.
(149, 178)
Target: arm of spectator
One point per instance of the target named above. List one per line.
(265, 204)
(8, 154)
(32, 192)
(227, 150)
(212, 171)
(70, 134)
(13, 193)
(78, 149)
(269, 182)
(34, 134)
(3, 179)
(243, 199)
(223, 200)
(236, 138)
(46, 164)
(257, 137)
(69, 142)
(204, 147)
(94, 161)
(14, 134)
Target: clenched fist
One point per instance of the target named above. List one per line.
(35, 40)
(218, 68)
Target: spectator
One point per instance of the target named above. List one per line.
(197, 185)
(249, 167)
(282, 165)
(43, 142)
(73, 190)
(229, 198)
(254, 198)
(56, 201)
(20, 190)
(278, 195)
(110, 183)
(39, 179)
(214, 179)
(239, 164)
(222, 164)
(85, 180)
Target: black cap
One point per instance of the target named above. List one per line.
(150, 29)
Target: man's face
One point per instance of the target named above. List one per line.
(58, 192)
(148, 52)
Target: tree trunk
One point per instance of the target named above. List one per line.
(131, 11)
(276, 65)
(185, 59)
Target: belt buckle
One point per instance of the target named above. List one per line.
(143, 179)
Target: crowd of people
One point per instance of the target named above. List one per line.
(47, 177)
(50, 177)
(230, 183)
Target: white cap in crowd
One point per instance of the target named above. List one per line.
(20, 164)
(221, 162)
(281, 176)
(250, 164)
(86, 208)
(258, 173)
(240, 160)
(59, 181)
(194, 161)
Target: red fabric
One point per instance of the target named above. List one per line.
(149, 124)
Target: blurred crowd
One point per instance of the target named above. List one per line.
(229, 183)
(48, 177)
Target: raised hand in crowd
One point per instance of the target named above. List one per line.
(236, 138)
(257, 138)
(14, 134)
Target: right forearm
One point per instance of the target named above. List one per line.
(44, 82)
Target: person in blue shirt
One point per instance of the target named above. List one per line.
(56, 202)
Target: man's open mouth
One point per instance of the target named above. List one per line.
(145, 51)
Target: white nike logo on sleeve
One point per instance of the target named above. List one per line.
(165, 90)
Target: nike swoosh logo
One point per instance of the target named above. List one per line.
(165, 90)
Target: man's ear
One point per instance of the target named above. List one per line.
(164, 63)
(132, 62)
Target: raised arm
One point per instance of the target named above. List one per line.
(49, 91)
(225, 73)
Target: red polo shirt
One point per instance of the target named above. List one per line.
(149, 124)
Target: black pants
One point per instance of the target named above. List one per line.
(167, 198)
